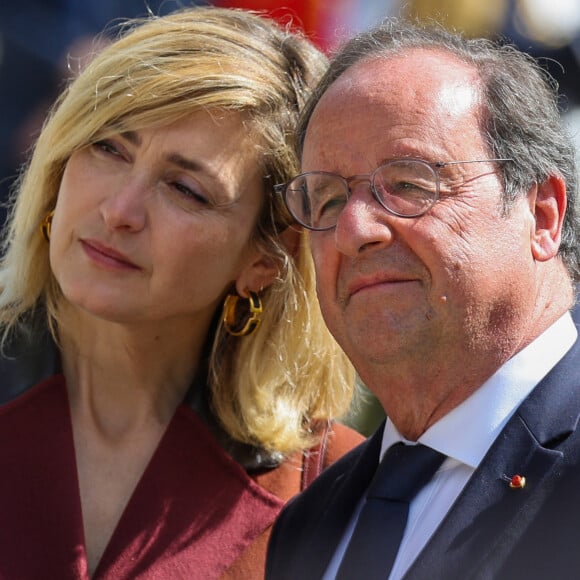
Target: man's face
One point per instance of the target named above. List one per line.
(443, 288)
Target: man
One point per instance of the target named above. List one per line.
(440, 188)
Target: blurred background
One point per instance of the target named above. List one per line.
(45, 42)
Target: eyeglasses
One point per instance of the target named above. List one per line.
(404, 187)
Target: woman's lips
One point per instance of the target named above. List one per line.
(107, 256)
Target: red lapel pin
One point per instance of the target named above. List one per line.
(515, 481)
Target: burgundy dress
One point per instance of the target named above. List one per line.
(192, 514)
(203, 508)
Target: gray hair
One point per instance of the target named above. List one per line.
(521, 119)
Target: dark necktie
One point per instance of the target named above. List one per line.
(374, 544)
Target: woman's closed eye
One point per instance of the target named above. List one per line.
(109, 147)
(188, 193)
(180, 187)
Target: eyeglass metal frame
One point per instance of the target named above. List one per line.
(284, 188)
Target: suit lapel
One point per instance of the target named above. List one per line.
(484, 517)
(340, 502)
(488, 518)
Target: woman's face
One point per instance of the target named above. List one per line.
(156, 224)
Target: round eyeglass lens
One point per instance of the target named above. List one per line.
(406, 188)
(316, 199)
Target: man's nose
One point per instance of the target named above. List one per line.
(363, 222)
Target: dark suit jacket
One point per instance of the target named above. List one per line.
(492, 531)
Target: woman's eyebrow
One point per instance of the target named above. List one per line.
(132, 136)
(188, 164)
(176, 159)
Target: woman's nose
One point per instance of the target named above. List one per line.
(126, 207)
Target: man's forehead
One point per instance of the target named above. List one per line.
(410, 70)
(398, 106)
(423, 83)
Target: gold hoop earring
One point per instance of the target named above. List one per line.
(251, 318)
(46, 225)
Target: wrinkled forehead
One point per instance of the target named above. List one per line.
(414, 77)
(421, 95)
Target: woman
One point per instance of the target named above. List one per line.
(147, 430)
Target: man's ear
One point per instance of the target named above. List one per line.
(548, 204)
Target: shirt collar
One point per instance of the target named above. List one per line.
(468, 431)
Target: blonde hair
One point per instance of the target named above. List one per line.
(269, 389)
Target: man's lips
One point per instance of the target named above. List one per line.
(370, 282)
(106, 254)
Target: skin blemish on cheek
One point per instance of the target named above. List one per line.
(430, 314)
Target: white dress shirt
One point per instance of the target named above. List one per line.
(465, 435)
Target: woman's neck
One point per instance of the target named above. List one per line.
(122, 377)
